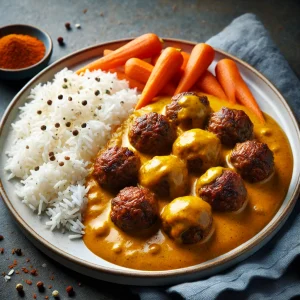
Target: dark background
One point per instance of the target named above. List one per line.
(104, 21)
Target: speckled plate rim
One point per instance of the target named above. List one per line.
(138, 277)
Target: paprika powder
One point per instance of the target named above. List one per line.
(18, 51)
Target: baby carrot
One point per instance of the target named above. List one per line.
(200, 58)
(131, 82)
(209, 84)
(140, 70)
(167, 65)
(226, 76)
(107, 51)
(143, 46)
(235, 87)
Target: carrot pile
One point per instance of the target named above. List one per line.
(156, 71)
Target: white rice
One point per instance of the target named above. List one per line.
(45, 185)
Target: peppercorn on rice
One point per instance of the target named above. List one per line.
(60, 129)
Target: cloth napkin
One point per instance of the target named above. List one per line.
(253, 278)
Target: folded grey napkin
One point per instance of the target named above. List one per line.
(253, 278)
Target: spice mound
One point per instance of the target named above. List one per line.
(18, 51)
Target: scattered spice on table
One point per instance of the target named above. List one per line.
(18, 251)
(33, 272)
(85, 11)
(24, 270)
(34, 296)
(50, 287)
(60, 40)
(1, 250)
(40, 286)
(68, 25)
(78, 26)
(19, 287)
(29, 282)
(1, 237)
(70, 290)
(18, 51)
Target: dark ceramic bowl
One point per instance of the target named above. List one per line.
(30, 71)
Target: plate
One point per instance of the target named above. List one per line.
(74, 254)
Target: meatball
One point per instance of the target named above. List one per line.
(116, 168)
(253, 160)
(167, 176)
(189, 110)
(200, 148)
(134, 208)
(187, 220)
(231, 126)
(222, 188)
(152, 134)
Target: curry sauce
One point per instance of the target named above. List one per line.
(153, 249)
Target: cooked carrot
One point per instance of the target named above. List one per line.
(200, 58)
(186, 57)
(107, 51)
(154, 59)
(131, 82)
(235, 87)
(140, 70)
(167, 65)
(144, 46)
(209, 84)
(226, 77)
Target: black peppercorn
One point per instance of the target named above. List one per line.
(43, 127)
(60, 40)
(75, 132)
(97, 93)
(57, 125)
(68, 124)
(84, 102)
(49, 102)
(60, 97)
(83, 125)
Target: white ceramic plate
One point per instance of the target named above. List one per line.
(74, 254)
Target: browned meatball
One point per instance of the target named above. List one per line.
(152, 134)
(253, 160)
(134, 208)
(231, 126)
(116, 168)
(222, 188)
(189, 110)
(187, 220)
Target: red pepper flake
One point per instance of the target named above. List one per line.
(34, 296)
(1, 250)
(24, 270)
(29, 282)
(33, 272)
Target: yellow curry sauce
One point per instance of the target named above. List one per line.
(154, 250)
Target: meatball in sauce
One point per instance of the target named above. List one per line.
(134, 209)
(231, 126)
(187, 220)
(188, 110)
(222, 188)
(152, 134)
(117, 167)
(199, 148)
(253, 160)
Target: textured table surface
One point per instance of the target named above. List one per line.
(103, 21)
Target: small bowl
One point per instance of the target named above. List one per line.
(17, 74)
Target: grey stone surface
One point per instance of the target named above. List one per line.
(104, 21)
